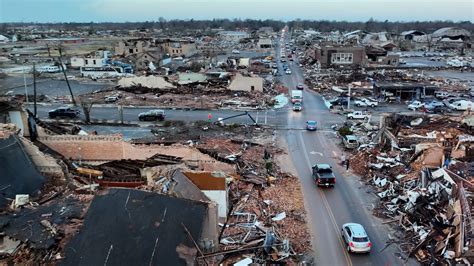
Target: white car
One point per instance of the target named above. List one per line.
(288, 71)
(366, 102)
(357, 115)
(235, 51)
(356, 238)
(415, 105)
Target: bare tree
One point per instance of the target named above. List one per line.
(86, 104)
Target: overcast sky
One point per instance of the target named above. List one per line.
(141, 10)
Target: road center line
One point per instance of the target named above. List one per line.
(326, 204)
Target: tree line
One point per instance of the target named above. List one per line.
(251, 24)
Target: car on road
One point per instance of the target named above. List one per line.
(152, 115)
(63, 112)
(300, 86)
(235, 51)
(297, 107)
(111, 99)
(274, 66)
(357, 115)
(366, 102)
(415, 105)
(288, 71)
(283, 60)
(356, 238)
(323, 175)
(311, 125)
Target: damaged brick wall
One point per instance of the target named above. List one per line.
(110, 148)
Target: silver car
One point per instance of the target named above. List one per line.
(356, 238)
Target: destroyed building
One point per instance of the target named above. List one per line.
(243, 83)
(405, 90)
(420, 170)
(178, 47)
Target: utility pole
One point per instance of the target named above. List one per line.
(34, 91)
(349, 98)
(65, 76)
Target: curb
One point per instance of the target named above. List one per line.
(156, 107)
(94, 122)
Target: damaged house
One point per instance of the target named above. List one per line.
(245, 83)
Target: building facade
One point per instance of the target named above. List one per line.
(342, 56)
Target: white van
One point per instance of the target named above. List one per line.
(462, 105)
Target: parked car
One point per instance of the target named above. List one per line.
(442, 94)
(152, 115)
(366, 102)
(357, 115)
(356, 238)
(63, 112)
(283, 60)
(311, 125)
(433, 105)
(415, 105)
(235, 51)
(350, 142)
(300, 86)
(297, 106)
(462, 105)
(323, 175)
(288, 71)
(111, 99)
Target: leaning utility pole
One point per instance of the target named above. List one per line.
(65, 76)
(34, 91)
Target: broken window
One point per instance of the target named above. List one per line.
(130, 50)
(342, 58)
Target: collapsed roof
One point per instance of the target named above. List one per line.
(130, 227)
(18, 174)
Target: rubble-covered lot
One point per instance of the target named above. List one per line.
(421, 169)
(265, 219)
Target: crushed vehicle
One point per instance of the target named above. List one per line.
(323, 175)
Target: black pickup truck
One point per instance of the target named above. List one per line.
(323, 175)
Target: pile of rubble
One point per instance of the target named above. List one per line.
(422, 174)
(266, 220)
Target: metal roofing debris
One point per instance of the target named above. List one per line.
(132, 227)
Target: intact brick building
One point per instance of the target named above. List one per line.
(341, 56)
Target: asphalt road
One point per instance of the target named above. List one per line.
(270, 117)
(329, 209)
